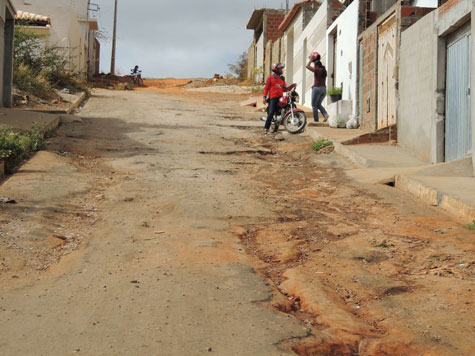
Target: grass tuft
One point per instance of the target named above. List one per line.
(317, 146)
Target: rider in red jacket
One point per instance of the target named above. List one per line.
(273, 91)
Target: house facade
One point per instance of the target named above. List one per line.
(342, 58)
(266, 42)
(7, 16)
(305, 28)
(436, 119)
(70, 29)
(379, 59)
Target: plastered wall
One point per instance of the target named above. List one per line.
(417, 87)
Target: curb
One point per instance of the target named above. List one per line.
(82, 97)
(77, 103)
(351, 155)
(434, 197)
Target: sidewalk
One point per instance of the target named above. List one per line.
(450, 186)
(23, 120)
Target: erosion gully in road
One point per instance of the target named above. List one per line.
(162, 223)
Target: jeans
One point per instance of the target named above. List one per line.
(318, 94)
(271, 111)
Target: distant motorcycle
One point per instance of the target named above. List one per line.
(293, 118)
(137, 77)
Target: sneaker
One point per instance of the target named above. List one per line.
(266, 132)
(325, 118)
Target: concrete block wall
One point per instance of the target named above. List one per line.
(268, 59)
(276, 51)
(251, 63)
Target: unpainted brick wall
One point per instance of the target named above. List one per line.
(272, 26)
(370, 48)
(410, 15)
(335, 9)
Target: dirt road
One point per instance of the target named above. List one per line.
(164, 223)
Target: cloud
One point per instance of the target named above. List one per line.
(187, 38)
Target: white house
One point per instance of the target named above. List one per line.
(342, 55)
(69, 30)
(305, 28)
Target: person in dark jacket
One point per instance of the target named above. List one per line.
(273, 91)
(319, 88)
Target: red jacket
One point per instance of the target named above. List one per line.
(274, 87)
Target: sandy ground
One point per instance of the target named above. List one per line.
(162, 224)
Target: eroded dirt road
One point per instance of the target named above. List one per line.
(164, 224)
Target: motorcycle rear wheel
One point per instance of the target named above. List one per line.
(295, 123)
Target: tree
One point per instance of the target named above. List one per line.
(239, 69)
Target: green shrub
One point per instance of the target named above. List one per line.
(15, 146)
(39, 68)
(317, 146)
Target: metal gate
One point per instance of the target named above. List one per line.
(386, 74)
(458, 119)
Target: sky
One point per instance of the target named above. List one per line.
(177, 38)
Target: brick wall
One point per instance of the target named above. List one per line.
(410, 15)
(272, 26)
(369, 93)
(335, 9)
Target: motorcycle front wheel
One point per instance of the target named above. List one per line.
(295, 123)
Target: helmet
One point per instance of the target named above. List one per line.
(277, 67)
(283, 102)
(314, 56)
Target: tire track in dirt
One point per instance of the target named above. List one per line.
(343, 260)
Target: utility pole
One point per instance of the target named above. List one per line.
(114, 36)
(287, 6)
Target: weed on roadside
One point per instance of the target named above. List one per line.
(16, 146)
(470, 226)
(320, 144)
(384, 245)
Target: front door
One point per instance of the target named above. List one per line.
(386, 73)
(458, 119)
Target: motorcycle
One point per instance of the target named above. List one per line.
(293, 118)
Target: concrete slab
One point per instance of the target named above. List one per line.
(333, 134)
(23, 120)
(450, 186)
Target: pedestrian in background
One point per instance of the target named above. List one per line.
(319, 88)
